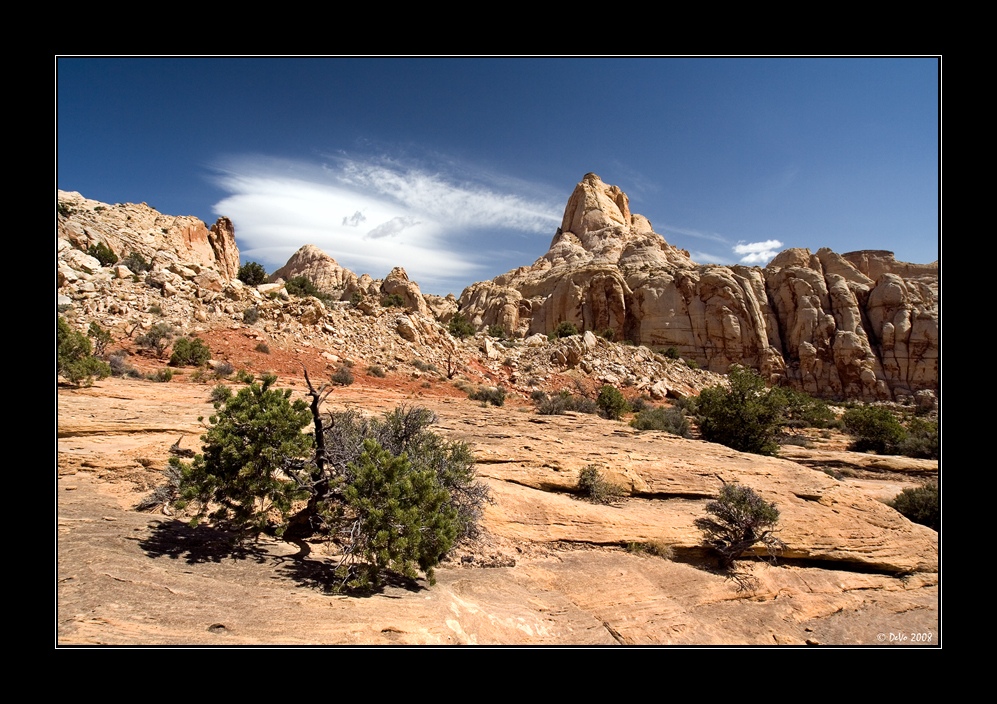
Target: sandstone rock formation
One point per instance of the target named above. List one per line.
(127, 228)
(319, 268)
(858, 326)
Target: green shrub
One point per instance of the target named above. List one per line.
(562, 402)
(245, 377)
(744, 417)
(163, 375)
(593, 486)
(221, 394)
(393, 300)
(670, 419)
(390, 494)
(612, 403)
(671, 353)
(657, 548)
(874, 428)
(364, 454)
(103, 254)
(424, 366)
(494, 395)
(101, 338)
(157, 339)
(136, 263)
(376, 370)
(252, 274)
(565, 329)
(190, 351)
(738, 520)
(343, 376)
(460, 327)
(155, 309)
(608, 334)
(262, 348)
(921, 440)
(801, 410)
(242, 473)
(74, 357)
(303, 286)
(496, 331)
(921, 505)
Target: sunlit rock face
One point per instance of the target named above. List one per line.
(860, 325)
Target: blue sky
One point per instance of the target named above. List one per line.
(459, 169)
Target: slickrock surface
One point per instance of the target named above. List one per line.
(550, 569)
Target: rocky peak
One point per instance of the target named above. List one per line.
(127, 228)
(847, 326)
(319, 268)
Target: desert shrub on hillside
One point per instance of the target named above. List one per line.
(670, 419)
(921, 505)
(120, 366)
(494, 395)
(190, 351)
(612, 404)
(220, 394)
(393, 300)
(250, 315)
(136, 263)
(874, 428)
(157, 339)
(101, 338)
(460, 327)
(74, 357)
(343, 376)
(376, 370)
(921, 439)
(562, 402)
(303, 286)
(738, 520)
(565, 329)
(593, 486)
(744, 417)
(252, 274)
(496, 331)
(103, 254)
(800, 410)
(163, 375)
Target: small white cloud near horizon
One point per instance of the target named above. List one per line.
(372, 215)
(757, 252)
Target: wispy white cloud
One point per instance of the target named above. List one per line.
(393, 226)
(438, 226)
(757, 252)
(699, 234)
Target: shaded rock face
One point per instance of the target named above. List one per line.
(860, 325)
(127, 228)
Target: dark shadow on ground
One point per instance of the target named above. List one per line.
(200, 544)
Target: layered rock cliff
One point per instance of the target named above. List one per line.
(859, 325)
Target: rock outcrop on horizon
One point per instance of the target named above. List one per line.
(319, 268)
(859, 325)
(128, 227)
